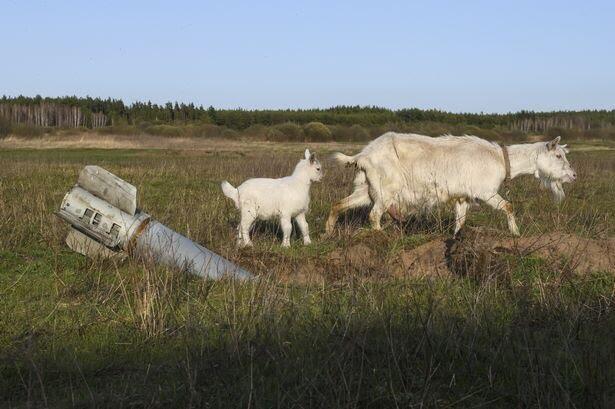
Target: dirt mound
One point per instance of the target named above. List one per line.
(359, 258)
(478, 253)
(426, 260)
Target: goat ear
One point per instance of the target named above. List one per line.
(307, 154)
(551, 145)
(312, 158)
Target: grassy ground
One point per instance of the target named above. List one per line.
(74, 332)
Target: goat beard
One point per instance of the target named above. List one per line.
(556, 188)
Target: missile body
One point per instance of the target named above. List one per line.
(105, 222)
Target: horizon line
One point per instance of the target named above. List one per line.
(129, 102)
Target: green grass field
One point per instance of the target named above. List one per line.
(314, 332)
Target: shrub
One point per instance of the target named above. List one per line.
(488, 134)
(340, 133)
(119, 130)
(143, 125)
(430, 128)
(513, 136)
(466, 130)
(564, 133)
(376, 131)
(230, 133)
(74, 131)
(27, 131)
(599, 133)
(256, 132)
(203, 130)
(292, 131)
(359, 133)
(165, 130)
(275, 135)
(354, 133)
(209, 131)
(317, 131)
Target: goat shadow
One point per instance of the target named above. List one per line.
(426, 223)
(263, 229)
(413, 223)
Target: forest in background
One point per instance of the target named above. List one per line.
(37, 116)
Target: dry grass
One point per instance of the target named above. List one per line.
(90, 140)
(323, 328)
(96, 141)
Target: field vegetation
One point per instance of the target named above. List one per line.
(341, 323)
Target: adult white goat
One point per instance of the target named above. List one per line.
(284, 198)
(399, 173)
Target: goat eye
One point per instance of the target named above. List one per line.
(558, 156)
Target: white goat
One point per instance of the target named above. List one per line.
(284, 198)
(401, 172)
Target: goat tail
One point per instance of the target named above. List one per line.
(344, 159)
(360, 179)
(231, 192)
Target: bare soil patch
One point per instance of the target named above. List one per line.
(479, 252)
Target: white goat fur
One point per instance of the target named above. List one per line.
(284, 198)
(399, 173)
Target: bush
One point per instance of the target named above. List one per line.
(354, 133)
(376, 131)
(143, 125)
(466, 130)
(204, 130)
(230, 133)
(359, 133)
(211, 131)
(74, 131)
(488, 134)
(275, 135)
(429, 128)
(340, 133)
(119, 130)
(564, 133)
(256, 132)
(599, 133)
(291, 131)
(513, 136)
(317, 131)
(165, 130)
(27, 131)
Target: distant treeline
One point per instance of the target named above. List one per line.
(93, 113)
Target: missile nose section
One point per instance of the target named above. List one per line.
(105, 222)
(167, 247)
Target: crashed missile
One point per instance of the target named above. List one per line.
(105, 222)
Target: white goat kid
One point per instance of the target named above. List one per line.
(399, 173)
(284, 198)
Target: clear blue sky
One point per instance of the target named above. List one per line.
(490, 56)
